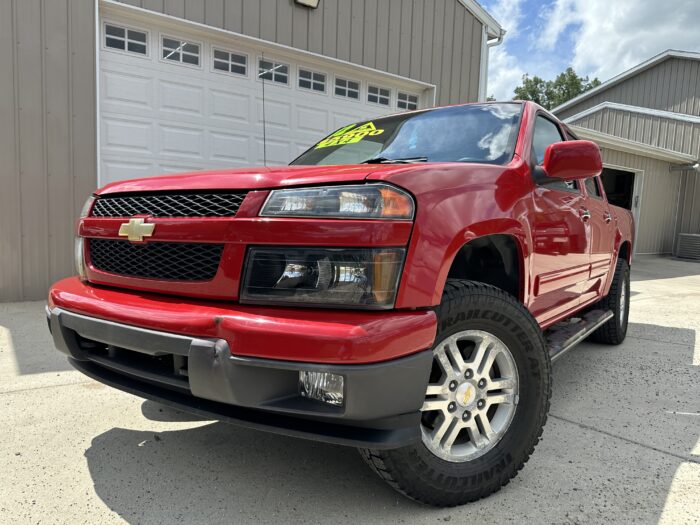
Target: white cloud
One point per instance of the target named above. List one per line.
(612, 36)
(505, 70)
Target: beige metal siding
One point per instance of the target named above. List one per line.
(657, 222)
(434, 41)
(672, 85)
(689, 212)
(47, 139)
(671, 134)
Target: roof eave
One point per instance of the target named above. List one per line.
(493, 28)
(669, 53)
(630, 146)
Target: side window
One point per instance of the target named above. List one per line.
(546, 133)
(592, 187)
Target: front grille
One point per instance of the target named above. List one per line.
(169, 205)
(156, 260)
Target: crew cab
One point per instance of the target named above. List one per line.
(402, 287)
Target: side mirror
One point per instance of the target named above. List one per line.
(573, 159)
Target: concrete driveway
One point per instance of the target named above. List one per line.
(622, 443)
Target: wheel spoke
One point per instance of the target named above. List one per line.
(500, 399)
(438, 389)
(489, 434)
(491, 352)
(475, 435)
(453, 350)
(505, 383)
(434, 404)
(452, 435)
(481, 347)
(441, 429)
(445, 363)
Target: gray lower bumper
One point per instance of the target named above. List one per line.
(382, 401)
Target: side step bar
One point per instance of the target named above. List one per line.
(563, 336)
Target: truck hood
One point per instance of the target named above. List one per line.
(256, 178)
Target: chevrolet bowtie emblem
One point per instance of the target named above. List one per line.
(136, 229)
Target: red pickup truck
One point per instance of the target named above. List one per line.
(402, 287)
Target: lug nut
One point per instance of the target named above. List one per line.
(466, 415)
(451, 407)
(482, 383)
(480, 403)
(453, 385)
(468, 374)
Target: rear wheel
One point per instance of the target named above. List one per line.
(486, 402)
(614, 331)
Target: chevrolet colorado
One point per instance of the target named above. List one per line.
(402, 287)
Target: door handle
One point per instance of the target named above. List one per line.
(585, 214)
(607, 216)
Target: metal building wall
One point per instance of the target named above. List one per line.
(672, 85)
(689, 212)
(435, 41)
(657, 223)
(47, 138)
(671, 134)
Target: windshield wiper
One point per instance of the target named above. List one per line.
(385, 160)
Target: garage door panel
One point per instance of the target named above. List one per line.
(181, 141)
(278, 152)
(278, 114)
(232, 107)
(229, 147)
(115, 169)
(125, 135)
(311, 119)
(129, 90)
(180, 98)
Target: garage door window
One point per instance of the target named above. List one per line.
(406, 101)
(230, 62)
(130, 40)
(181, 51)
(273, 71)
(347, 88)
(377, 95)
(312, 80)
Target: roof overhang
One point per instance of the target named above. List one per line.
(605, 140)
(493, 28)
(671, 53)
(671, 115)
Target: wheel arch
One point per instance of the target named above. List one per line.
(489, 254)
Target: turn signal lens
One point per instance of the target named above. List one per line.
(359, 201)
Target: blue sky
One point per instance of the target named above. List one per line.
(597, 37)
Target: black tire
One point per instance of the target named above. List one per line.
(614, 331)
(421, 475)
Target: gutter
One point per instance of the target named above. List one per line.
(486, 45)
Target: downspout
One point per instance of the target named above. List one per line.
(486, 44)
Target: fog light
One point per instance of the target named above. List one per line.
(322, 386)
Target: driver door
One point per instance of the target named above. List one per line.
(560, 258)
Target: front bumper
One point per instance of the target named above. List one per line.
(201, 375)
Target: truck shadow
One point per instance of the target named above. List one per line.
(619, 431)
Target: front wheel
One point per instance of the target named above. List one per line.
(486, 402)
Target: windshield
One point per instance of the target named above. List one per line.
(483, 133)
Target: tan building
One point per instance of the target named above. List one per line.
(98, 91)
(647, 122)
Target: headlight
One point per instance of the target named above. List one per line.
(351, 277)
(87, 206)
(360, 201)
(80, 258)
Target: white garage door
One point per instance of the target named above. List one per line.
(172, 100)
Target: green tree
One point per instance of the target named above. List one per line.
(551, 93)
